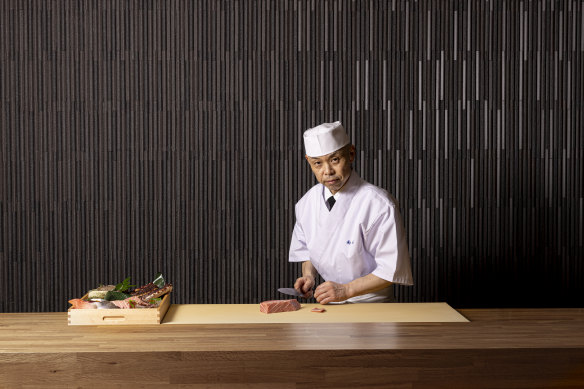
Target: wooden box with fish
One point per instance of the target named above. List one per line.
(121, 304)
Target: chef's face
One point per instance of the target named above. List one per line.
(333, 170)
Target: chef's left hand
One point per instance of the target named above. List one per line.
(329, 292)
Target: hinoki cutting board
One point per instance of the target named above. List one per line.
(339, 313)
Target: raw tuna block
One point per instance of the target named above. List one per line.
(275, 306)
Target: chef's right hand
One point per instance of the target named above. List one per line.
(305, 285)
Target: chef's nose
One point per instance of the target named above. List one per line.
(328, 169)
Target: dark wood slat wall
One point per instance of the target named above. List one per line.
(145, 136)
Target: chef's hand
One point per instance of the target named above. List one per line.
(329, 292)
(304, 285)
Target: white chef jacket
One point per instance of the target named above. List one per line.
(362, 234)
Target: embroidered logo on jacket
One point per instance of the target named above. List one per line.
(350, 242)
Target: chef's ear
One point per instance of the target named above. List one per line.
(352, 153)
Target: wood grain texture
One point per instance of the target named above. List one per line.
(139, 136)
(295, 369)
(505, 328)
(498, 348)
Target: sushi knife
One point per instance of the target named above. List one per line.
(291, 292)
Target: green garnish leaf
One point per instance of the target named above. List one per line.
(158, 280)
(124, 285)
(115, 295)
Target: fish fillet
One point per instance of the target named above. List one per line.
(275, 306)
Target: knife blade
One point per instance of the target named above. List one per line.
(291, 292)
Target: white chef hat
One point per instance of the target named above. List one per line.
(325, 139)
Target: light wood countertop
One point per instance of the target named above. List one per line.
(489, 328)
(496, 348)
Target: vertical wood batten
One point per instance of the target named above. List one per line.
(167, 136)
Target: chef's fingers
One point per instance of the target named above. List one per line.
(318, 298)
(299, 284)
(308, 294)
(308, 285)
(317, 293)
(323, 299)
(303, 285)
(320, 293)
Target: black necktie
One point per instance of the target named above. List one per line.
(330, 201)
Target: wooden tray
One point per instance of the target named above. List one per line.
(91, 317)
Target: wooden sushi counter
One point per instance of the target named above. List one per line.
(508, 348)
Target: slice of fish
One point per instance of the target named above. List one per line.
(82, 304)
(106, 305)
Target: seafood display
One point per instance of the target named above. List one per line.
(124, 296)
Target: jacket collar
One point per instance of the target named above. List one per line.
(329, 221)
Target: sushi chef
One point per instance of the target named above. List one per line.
(347, 230)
